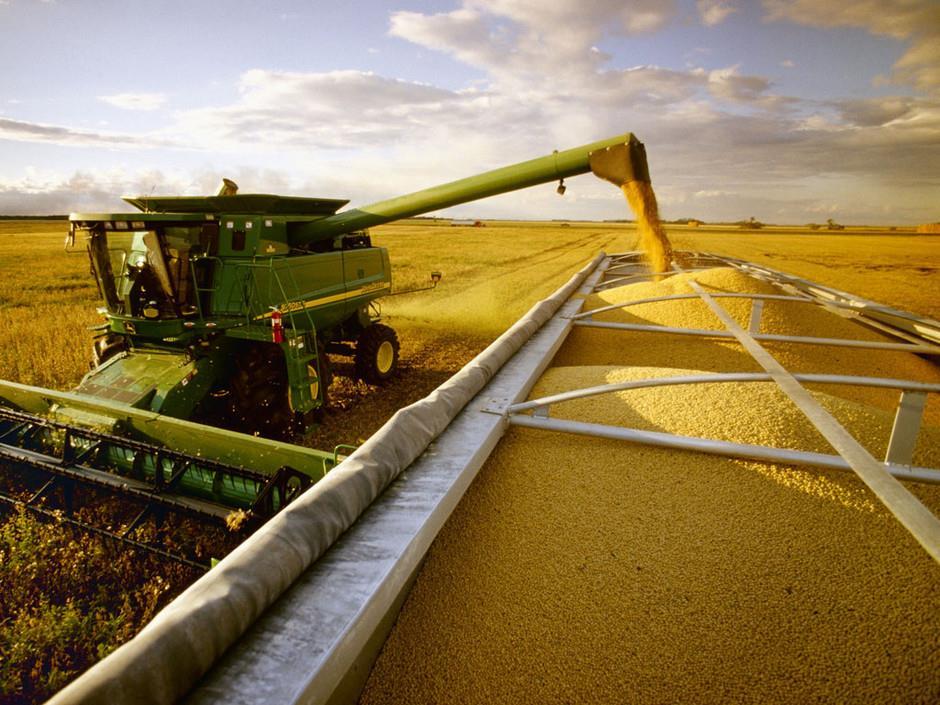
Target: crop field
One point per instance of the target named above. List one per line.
(491, 276)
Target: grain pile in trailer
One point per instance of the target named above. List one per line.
(578, 569)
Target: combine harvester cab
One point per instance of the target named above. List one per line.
(300, 611)
(209, 316)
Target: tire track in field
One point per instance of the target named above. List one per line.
(590, 244)
(531, 259)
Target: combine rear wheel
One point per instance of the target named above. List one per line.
(377, 354)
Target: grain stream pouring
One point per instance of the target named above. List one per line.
(625, 166)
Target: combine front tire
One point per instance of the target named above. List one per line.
(259, 403)
(377, 354)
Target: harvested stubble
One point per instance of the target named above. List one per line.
(583, 570)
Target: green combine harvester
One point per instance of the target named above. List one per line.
(220, 310)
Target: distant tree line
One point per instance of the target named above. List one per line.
(34, 217)
(830, 225)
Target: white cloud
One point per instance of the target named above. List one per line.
(588, 17)
(101, 189)
(52, 193)
(874, 112)
(705, 162)
(788, 63)
(917, 21)
(21, 131)
(518, 45)
(714, 12)
(818, 122)
(135, 101)
(333, 109)
(729, 84)
(518, 41)
(896, 18)
(464, 33)
(712, 193)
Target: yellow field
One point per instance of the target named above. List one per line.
(900, 270)
(491, 276)
(47, 301)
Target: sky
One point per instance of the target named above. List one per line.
(790, 111)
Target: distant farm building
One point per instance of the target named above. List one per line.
(929, 228)
(469, 223)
